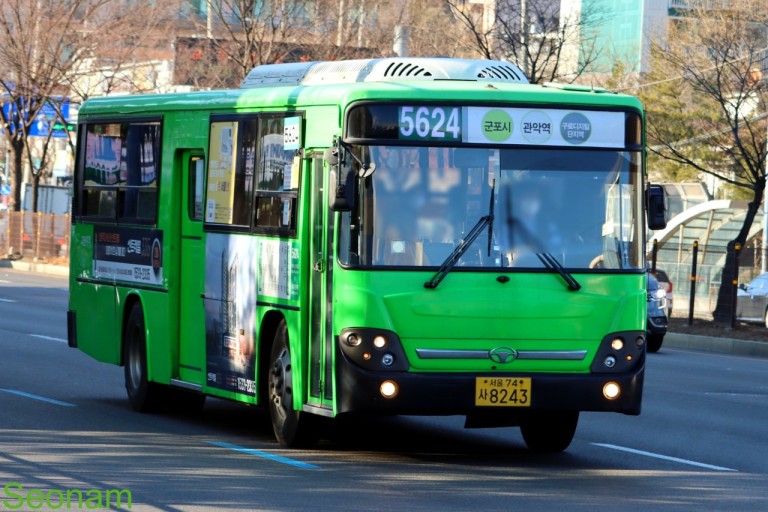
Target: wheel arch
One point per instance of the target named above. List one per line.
(130, 301)
(267, 331)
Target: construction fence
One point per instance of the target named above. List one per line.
(34, 236)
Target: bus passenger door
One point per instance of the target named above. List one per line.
(320, 339)
(191, 270)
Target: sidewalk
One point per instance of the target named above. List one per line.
(32, 266)
(718, 345)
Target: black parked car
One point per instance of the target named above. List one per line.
(656, 326)
(752, 301)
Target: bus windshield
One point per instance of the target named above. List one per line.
(579, 206)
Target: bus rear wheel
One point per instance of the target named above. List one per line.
(292, 428)
(144, 396)
(549, 431)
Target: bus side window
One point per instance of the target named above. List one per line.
(276, 178)
(196, 169)
(119, 172)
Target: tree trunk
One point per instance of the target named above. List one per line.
(725, 294)
(17, 173)
(35, 192)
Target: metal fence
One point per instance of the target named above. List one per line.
(677, 260)
(34, 236)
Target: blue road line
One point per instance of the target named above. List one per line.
(265, 455)
(38, 397)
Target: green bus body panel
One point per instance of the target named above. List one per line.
(533, 311)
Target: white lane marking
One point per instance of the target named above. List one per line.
(7, 300)
(664, 457)
(49, 338)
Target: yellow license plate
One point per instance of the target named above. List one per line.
(503, 391)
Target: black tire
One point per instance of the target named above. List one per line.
(765, 318)
(549, 431)
(143, 395)
(654, 343)
(292, 428)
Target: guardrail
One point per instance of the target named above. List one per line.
(34, 236)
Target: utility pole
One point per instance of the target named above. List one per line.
(402, 31)
(340, 23)
(208, 20)
(763, 262)
(524, 34)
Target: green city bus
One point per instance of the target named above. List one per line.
(418, 236)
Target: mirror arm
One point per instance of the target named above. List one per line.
(366, 168)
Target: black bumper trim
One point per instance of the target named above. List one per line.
(454, 393)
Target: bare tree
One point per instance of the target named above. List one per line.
(44, 45)
(546, 42)
(434, 31)
(255, 32)
(720, 55)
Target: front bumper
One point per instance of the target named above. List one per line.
(358, 390)
(657, 325)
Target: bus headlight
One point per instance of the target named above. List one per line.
(619, 352)
(373, 349)
(611, 390)
(389, 389)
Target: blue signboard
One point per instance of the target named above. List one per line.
(45, 121)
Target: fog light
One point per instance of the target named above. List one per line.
(379, 342)
(388, 389)
(609, 362)
(387, 359)
(617, 344)
(611, 390)
(353, 340)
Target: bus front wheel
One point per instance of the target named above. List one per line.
(549, 431)
(144, 396)
(292, 428)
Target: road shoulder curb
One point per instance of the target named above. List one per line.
(718, 345)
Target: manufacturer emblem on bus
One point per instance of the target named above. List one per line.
(502, 355)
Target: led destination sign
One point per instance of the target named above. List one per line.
(489, 125)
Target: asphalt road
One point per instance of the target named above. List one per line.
(65, 426)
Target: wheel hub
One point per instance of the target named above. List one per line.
(280, 379)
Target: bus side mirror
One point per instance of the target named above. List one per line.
(655, 208)
(343, 182)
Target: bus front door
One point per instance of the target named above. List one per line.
(320, 339)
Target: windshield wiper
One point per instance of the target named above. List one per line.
(550, 261)
(458, 252)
